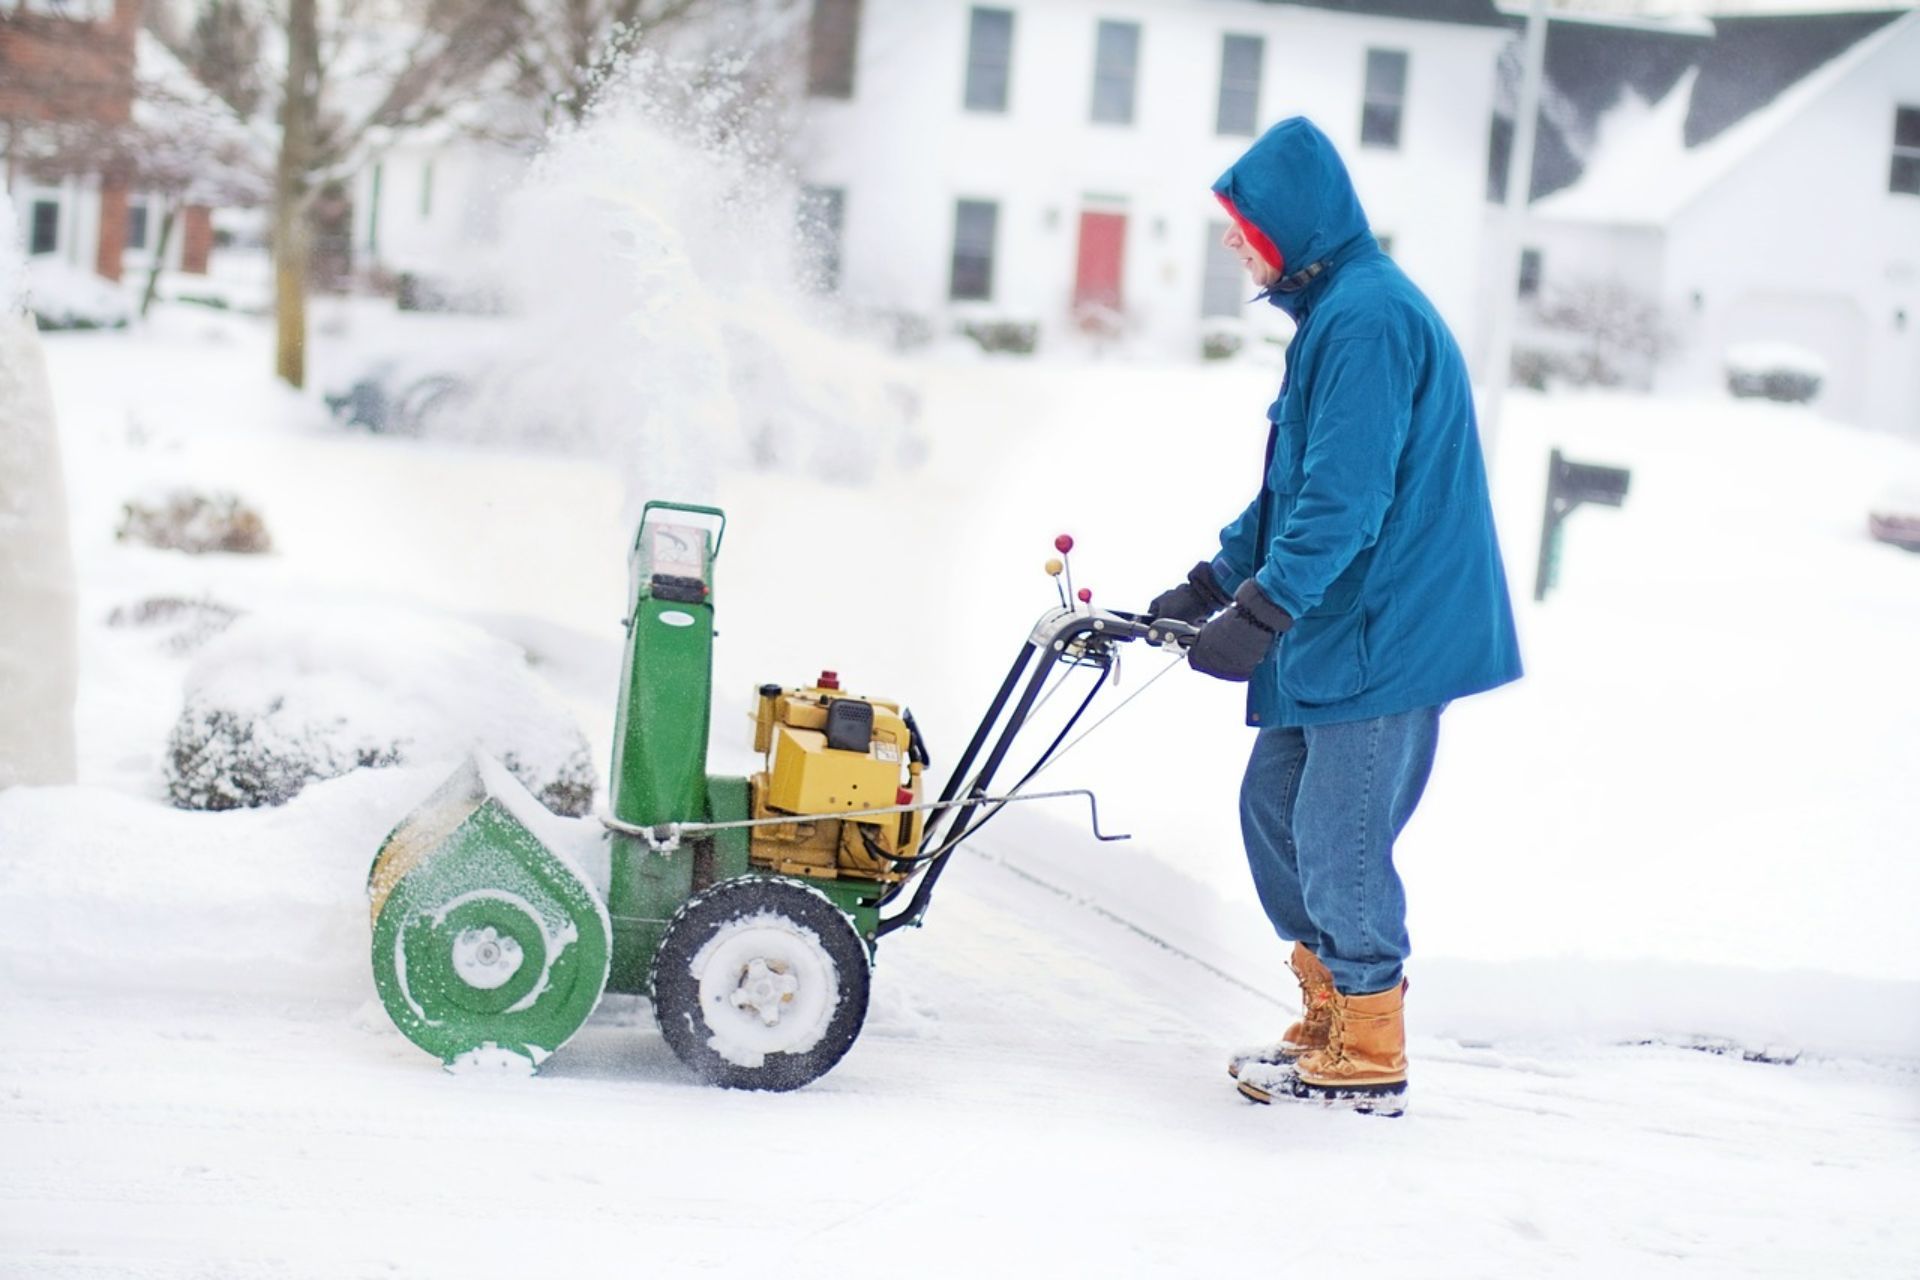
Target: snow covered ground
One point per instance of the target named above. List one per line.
(1686, 839)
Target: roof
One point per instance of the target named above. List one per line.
(1475, 13)
(1753, 59)
(1599, 67)
(1591, 68)
(1653, 157)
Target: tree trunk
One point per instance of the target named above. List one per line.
(290, 243)
(159, 257)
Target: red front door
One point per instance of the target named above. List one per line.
(1103, 242)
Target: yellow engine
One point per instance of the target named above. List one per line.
(829, 752)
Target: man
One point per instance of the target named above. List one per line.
(1359, 593)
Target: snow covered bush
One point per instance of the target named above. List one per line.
(65, 297)
(183, 520)
(1774, 371)
(279, 701)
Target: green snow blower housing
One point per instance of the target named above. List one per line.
(747, 909)
(492, 947)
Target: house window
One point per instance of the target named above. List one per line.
(989, 54)
(822, 210)
(1906, 151)
(136, 226)
(1240, 58)
(1115, 60)
(1223, 285)
(45, 234)
(426, 190)
(832, 39)
(1386, 93)
(1530, 269)
(974, 225)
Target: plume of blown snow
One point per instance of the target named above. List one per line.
(651, 260)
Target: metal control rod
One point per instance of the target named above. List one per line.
(665, 837)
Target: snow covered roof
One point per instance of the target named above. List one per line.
(1654, 156)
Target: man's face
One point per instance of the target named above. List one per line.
(1258, 268)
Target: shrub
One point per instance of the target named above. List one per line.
(1607, 334)
(1014, 337)
(1533, 368)
(195, 523)
(1220, 345)
(1774, 371)
(185, 624)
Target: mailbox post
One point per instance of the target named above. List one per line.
(1568, 485)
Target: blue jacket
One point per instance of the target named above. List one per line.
(1374, 528)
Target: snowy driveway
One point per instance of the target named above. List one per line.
(1040, 1091)
(197, 1082)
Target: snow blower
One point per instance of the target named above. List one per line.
(747, 909)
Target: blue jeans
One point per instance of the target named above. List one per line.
(1320, 809)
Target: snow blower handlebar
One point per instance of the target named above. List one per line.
(1082, 636)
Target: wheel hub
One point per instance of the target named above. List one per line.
(485, 959)
(765, 990)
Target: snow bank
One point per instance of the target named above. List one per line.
(280, 701)
(110, 891)
(38, 657)
(13, 259)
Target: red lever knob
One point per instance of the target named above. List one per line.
(1063, 543)
(1085, 594)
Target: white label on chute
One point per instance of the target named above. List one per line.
(675, 618)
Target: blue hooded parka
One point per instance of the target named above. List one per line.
(1373, 529)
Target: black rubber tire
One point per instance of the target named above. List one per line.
(676, 988)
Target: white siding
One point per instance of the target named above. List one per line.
(1804, 243)
(905, 150)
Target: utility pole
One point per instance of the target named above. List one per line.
(1496, 372)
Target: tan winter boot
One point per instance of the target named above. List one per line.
(1309, 1031)
(1363, 1066)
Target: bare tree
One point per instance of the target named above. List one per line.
(352, 83)
(572, 51)
(224, 51)
(355, 75)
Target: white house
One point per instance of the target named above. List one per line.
(1761, 199)
(428, 200)
(1048, 162)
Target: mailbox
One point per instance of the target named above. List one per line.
(1568, 485)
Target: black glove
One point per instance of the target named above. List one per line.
(1232, 645)
(1194, 601)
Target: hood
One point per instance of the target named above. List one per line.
(1292, 188)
